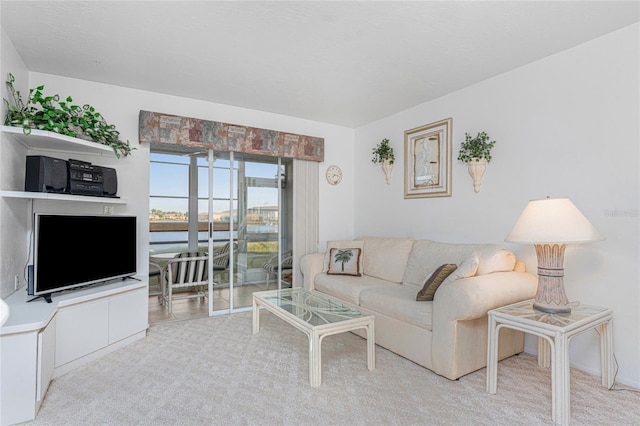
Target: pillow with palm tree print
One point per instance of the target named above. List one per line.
(342, 244)
(344, 261)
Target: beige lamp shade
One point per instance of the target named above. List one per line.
(550, 224)
(552, 221)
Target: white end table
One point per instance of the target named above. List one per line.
(554, 332)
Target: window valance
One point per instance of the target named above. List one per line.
(163, 129)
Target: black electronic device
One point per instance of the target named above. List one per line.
(109, 182)
(85, 178)
(72, 251)
(46, 174)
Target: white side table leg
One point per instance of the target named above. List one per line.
(607, 363)
(544, 351)
(492, 356)
(561, 380)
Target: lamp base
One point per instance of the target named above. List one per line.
(551, 297)
(551, 309)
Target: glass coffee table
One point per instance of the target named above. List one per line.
(318, 316)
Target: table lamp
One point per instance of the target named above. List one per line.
(550, 224)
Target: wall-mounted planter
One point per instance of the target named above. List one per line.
(383, 154)
(387, 167)
(477, 167)
(476, 152)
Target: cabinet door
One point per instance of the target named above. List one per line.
(128, 314)
(46, 358)
(81, 329)
(18, 354)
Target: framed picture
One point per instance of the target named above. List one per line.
(427, 162)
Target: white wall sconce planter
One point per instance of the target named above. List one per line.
(477, 167)
(387, 167)
(383, 154)
(476, 152)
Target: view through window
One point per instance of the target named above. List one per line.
(170, 193)
(246, 205)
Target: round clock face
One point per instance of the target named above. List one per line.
(334, 175)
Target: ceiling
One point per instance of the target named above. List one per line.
(345, 63)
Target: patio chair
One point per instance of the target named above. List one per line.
(220, 261)
(185, 270)
(271, 267)
(155, 270)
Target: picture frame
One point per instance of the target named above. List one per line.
(427, 165)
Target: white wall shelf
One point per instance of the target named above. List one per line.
(61, 197)
(50, 141)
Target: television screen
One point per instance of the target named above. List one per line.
(77, 250)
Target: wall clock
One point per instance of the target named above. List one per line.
(334, 175)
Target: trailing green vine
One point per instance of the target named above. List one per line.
(51, 114)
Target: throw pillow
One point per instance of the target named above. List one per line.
(344, 261)
(467, 268)
(343, 244)
(434, 280)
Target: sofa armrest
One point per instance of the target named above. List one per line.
(310, 266)
(471, 298)
(459, 340)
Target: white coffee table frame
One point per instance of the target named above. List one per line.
(315, 333)
(554, 332)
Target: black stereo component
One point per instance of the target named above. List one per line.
(45, 174)
(85, 178)
(109, 182)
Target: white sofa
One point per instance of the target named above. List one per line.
(447, 335)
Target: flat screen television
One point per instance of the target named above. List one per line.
(72, 251)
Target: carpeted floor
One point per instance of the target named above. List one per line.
(213, 371)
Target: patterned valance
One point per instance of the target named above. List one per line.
(163, 129)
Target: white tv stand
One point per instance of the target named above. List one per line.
(41, 341)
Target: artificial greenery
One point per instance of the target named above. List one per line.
(51, 114)
(383, 152)
(478, 147)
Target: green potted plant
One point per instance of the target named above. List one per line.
(478, 147)
(383, 154)
(476, 152)
(52, 114)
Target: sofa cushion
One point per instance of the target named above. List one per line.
(467, 268)
(494, 258)
(433, 281)
(427, 255)
(398, 302)
(343, 244)
(386, 258)
(348, 287)
(344, 261)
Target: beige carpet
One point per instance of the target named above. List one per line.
(213, 371)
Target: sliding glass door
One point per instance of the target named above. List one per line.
(236, 209)
(258, 213)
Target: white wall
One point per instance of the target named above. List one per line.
(567, 125)
(13, 220)
(121, 106)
